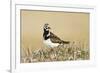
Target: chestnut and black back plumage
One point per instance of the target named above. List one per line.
(56, 39)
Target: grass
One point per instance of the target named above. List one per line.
(61, 53)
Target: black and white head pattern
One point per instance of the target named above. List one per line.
(46, 33)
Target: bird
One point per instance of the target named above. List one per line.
(50, 39)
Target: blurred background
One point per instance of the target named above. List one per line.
(66, 25)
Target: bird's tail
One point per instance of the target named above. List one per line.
(66, 42)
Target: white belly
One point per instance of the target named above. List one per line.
(49, 44)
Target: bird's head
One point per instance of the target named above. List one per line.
(46, 27)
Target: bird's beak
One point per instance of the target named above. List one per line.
(49, 28)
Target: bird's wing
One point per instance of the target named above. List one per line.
(54, 38)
